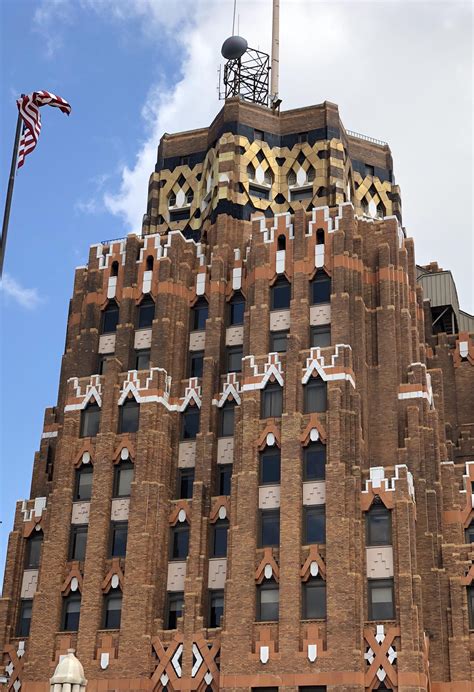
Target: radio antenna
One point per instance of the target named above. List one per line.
(275, 73)
(233, 18)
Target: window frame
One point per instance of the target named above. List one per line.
(313, 447)
(179, 528)
(185, 474)
(140, 353)
(314, 510)
(83, 470)
(315, 386)
(112, 594)
(265, 515)
(236, 300)
(313, 584)
(320, 278)
(223, 470)
(173, 597)
(320, 329)
(77, 530)
(199, 307)
(147, 305)
(215, 527)
(227, 410)
(267, 585)
(72, 597)
(372, 584)
(90, 408)
(280, 283)
(268, 453)
(196, 357)
(35, 539)
(20, 630)
(375, 511)
(214, 594)
(190, 411)
(130, 404)
(111, 308)
(232, 351)
(115, 528)
(269, 392)
(123, 465)
(274, 336)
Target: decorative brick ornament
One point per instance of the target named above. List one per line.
(380, 655)
(169, 671)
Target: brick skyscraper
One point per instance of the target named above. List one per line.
(259, 470)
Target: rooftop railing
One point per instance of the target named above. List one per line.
(366, 138)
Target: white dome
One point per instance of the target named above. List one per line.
(69, 670)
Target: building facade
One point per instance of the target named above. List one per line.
(259, 472)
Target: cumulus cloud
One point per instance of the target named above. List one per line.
(12, 290)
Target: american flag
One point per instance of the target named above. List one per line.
(28, 106)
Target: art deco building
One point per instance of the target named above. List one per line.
(259, 471)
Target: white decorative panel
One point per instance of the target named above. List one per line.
(176, 576)
(236, 278)
(147, 279)
(280, 261)
(314, 493)
(29, 583)
(319, 255)
(197, 341)
(200, 284)
(107, 343)
(225, 450)
(379, 562)
(279, 320)
(234, 336)
(187, 455)
(217, 573)
(112, 287)
(142, 339)
(119, 509)
(80, 512)
(269, 497)
(320, 314)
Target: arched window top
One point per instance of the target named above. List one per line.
(110, 317)
(320, 236)
(114, 268)
(281, 242)
(149, 263)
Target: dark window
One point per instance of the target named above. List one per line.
(320, 236)
(200, 313)
(185, 483)
(269, 528)
(149, 263)
(315, 395)
(216, 607)
(470, 533)
(114, 269)
(369, 170)
(190, 423)
(110, 318)
(112, 609)
(78, 542)
(33, 550)
(24, 617)
(71, 612)
(378, 522)
(123, 477)
(278, 342)
(381, 599)
(196, 363)
(315, 524)
(83, 484)
(280, 295)
(174, 609)
(281, 242)
(301, 193)
(179, 543)
(312, 688)
(314, 599)
(259, 192)
(146, 313)
(179, 215)
(236, 309)
(321, 336)
(90, 420)
(129, 417)
(268, 599)
(321, 288)
(102, 365)
(226, 422)
(470, 606)
(270, 466)
(314, 462)
(225, 477)
(259, 134)
(272, 401)
(118, 538)
(142, 361)
(234, 358)
(219, 538)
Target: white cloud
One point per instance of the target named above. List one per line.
(26, 297)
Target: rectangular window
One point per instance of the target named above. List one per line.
(270, 466)
(315, 524)
(216, 607)
(129, 416)
(269, 528)
(268, 601)
(312, 688)
(470, 533)
(185, 483)
(314, 599)
(90, 421)
(219, 538)
(321, 336)
(199, 313)
(123, 477)
(179, 215)
(142, 359)
(259, 192)
(24, 617)
(236, 311)
(234, 358)
(314, 462)
(33, 550)
(190, 423)
(378, 522)
(146, 314)
(113, 610)
(78, 542)
(71, 612)
(226, 423)
(369, 170)
(279, 342)
(381, 605)
(179, 543)
(280, 295)
(470, 605)
(196, 363)
(83, 484)
(224, 472)
(301, 193)
(315, 396)
(174, 609)
(102, 364)
(272, 401)
(321, 288)
(118, 538)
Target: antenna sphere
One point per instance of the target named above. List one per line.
(234, 47)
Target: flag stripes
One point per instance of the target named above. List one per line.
(28, 106)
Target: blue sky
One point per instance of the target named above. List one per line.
(400, 71)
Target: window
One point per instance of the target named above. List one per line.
(268, 599)
(269, 528)
(259, 192)
(272, 401)
(470, 606)
(146, 313)
(226, 422)
(236, 309)
(369, 170)
(270, 466)
(314, 599)
(33, 550)
(71, 612)
(185, 483)
(321, 288)
(196, 363)
(142, 361)
(314, 462)
(149, 263)
(312, 688)
(281, 242)
(179, 543)
(216, 607)
(118, 538)
(24, 617)
(129, 417)
(219, 538)
(174, 609)
(234, 358)
(378, 522)
(278, 342)
(301, 193)
(470, 533)
(83, 484)
(321, 336)
(171, 200)
(381, 599)
(90, 420)
(110, 318)
(315, 395)
(190, 423)
(280, 294)
(224, 478)
(78, 542)
(199, 313)
(189, 197)
(258, 134)
(314, 524)
(320, 236)
(112, 609)
(114, 269)
(123, 477)
(102, 365)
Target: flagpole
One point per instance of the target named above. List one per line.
(8, 201)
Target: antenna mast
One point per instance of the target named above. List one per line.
(275, 73)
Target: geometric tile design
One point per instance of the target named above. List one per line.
(379, 562)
